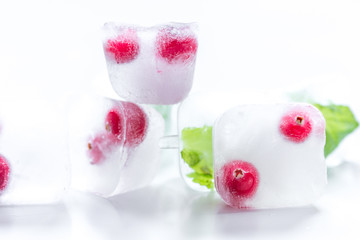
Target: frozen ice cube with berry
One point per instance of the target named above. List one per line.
(197, 115)
(153, 65)
(113, 144)
(269, 155)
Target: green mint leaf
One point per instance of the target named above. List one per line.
(340, 122)
(197, 153)
(190, 157)
(202, 179)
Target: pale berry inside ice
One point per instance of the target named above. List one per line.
(136, 124)
(100, 146)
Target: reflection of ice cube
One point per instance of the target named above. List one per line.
(33, 141)
(153, 65)
(291, 170)
(128, 160)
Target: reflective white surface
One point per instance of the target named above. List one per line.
(169, 209)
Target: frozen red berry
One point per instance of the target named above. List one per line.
(296, 125)
(100, 146)
(126, 121)
(176, 45)
(114, 123)
(124, 48)
(136, 124)
(4, 173)
(236, 182)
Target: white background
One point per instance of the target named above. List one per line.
(49, 48)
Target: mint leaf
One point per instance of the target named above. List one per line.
(190, 157)
(340, 122)
(202, 179)
(197, 153)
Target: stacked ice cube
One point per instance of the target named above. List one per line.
(153, 65)
(268, 156)
(113, 144)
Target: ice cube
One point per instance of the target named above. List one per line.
(197, 115)
(153, 65)
(113, 144)
(34, 167)
(269, 155)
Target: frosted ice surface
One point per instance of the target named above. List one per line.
(33, 144)
(153, 65)
(113, 145)
(268, 156)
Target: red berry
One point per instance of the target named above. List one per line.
(100, 146)
(236, 182)
(296, 125)
(176, 45)
(4, 173)
(133, 123)
(114, 123)
(125, 47)
(136, 124)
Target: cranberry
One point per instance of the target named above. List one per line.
(136, 124)
(175, 46)
(133, 123)
(100, 146)
(296, 125)
(114, 123)
(4, 173)
(124, 47)
(236, 182)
